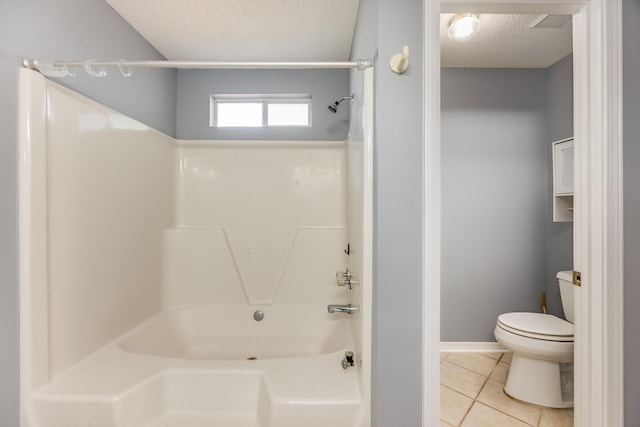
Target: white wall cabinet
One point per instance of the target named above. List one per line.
(563, 180)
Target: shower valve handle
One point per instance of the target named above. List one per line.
(345, 278)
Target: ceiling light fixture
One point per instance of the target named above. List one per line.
(463, 27)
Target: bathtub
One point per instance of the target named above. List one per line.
(213, 365)
(232, 333)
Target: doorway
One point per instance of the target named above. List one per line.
(598, 225)
(503, 100)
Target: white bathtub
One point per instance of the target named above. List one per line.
(231, 333)
(189, 367)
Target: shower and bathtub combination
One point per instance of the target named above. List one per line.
(171, 283)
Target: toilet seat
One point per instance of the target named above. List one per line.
(539, 326)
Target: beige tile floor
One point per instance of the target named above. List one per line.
(471, 395)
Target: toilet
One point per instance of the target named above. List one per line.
(541, 371)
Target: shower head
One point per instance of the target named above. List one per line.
(334, 108)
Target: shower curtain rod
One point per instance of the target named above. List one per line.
(97, 68)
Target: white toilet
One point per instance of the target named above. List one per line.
(541, 371)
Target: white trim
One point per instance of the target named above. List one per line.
(472, 347)
(513, 6)
(598, 237)
(431, 210)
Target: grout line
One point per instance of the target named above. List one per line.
(456, 391)
(461, 394)
(509, 415)
(466, 413)
(475, 399)
(499, 410)
(513, 416)
(482, 388)
(488, 357)
(540, 417)
(470, 370)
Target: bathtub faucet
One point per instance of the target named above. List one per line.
(342, 308)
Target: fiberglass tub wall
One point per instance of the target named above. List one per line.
(109, 198)
(257, 222)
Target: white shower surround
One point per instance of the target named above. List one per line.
(133, 232)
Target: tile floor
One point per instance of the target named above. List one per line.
(471, 395)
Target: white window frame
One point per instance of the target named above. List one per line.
(265, 100)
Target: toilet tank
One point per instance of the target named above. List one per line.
(565, 281)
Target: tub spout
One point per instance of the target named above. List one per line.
(342, 308)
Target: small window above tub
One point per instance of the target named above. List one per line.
(249, 111)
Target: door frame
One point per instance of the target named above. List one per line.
(598, 222)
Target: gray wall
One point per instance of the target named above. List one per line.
(494, 197)
(398, 180)
(325, 87)
(631, 135)
(559, 126)
(74, 29)
(61, 29)
(8, 245)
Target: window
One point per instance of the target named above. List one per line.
(260, 110)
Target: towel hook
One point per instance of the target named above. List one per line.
(400, 61)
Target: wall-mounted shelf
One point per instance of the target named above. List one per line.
(563, 180)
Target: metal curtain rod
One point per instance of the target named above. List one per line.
(58, 68)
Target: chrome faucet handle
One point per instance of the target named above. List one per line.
(345, 278)
(343, 308)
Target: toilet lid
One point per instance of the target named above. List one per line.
(537, 325)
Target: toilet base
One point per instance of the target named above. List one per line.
(540, 382)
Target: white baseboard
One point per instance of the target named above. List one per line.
(472, 347)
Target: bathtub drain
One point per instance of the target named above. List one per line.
(252, 358)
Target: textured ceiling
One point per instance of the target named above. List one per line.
(506, 41)
(321, 30)
(244, 30)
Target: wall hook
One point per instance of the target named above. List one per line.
(400, 61)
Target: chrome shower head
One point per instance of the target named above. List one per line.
(334, 108)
